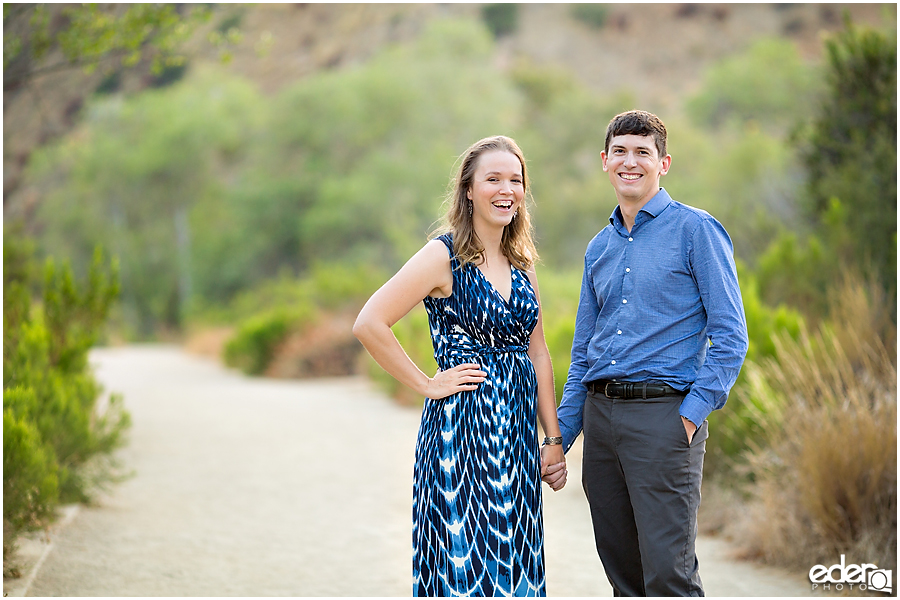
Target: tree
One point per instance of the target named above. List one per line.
(850, 151)
(90, 35)
(57, 55)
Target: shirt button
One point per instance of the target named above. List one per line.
(619, 332)
(613, 362)
(630, 239)
(627, 270)
(624, 301)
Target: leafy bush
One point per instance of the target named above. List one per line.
(824, 459)
(30, 480)
(271, 313)
(591, 14)
(769, 84)
(850, 149)
(734, 428)
(254, 344)
(501, 19)
(57, 442)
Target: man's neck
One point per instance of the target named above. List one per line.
(631, 208)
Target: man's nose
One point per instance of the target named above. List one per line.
(630, 159)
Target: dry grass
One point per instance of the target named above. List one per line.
(825, 482)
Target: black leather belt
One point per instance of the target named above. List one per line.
(626, 390)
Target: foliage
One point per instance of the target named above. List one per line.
(140, 186)
(351, 164)
(733, 429)
(824, 457)
(850, 150)
(57, 441)
(30, 476)
(594, 15)
(502, 19)
(252, 347)
(798, 273)
(182, 182)
(90, 34)
(770, 85)
(269, 314)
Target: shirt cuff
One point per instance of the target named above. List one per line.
(568, 436)
(693, 409)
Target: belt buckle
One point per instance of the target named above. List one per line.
(606, 389)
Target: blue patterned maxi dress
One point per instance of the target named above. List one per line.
(477, 519)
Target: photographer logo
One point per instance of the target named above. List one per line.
(860, 577)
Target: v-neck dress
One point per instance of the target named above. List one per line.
(477, 518)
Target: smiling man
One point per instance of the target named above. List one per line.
(660, 337)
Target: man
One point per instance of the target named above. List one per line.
(660, 337)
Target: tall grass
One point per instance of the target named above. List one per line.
(825, 467)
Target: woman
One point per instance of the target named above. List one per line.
(477, 522)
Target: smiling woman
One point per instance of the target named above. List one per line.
(477, 521)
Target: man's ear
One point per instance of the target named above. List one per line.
(666, 163)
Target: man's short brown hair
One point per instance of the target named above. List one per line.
(638, 122)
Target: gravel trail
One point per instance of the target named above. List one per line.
(253, 487)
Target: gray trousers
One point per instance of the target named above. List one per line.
(642, 480)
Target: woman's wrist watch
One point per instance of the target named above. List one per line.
(552, 441)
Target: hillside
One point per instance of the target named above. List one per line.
(655, 52)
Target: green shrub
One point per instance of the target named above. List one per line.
(734, 427)
(30, 483)
(824, 460)
(590, 14)
(501, 19)
(57, 443)
(270, 313)
(253, 345)
(854, 130)
(769, 84)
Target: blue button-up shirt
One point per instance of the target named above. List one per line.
(660, 302)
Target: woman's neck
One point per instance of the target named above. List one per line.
(490, 239)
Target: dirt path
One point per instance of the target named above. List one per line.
(253, 487)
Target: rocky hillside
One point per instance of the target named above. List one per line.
(657, 52)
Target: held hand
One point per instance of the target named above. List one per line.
(689, 428)
(460, 378)
(553, 467)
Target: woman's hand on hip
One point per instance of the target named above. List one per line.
(461, 378)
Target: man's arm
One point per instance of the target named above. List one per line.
(712, 262)
(571, 408)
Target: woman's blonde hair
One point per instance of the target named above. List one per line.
(517, 242)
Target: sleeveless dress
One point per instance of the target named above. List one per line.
(477, 516)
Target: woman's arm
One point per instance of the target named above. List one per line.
(551, 456)
(427, 273)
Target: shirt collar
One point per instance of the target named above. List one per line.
(654, 207)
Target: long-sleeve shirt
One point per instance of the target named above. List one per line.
(662, 303)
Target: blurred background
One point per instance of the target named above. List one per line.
(240, 178)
